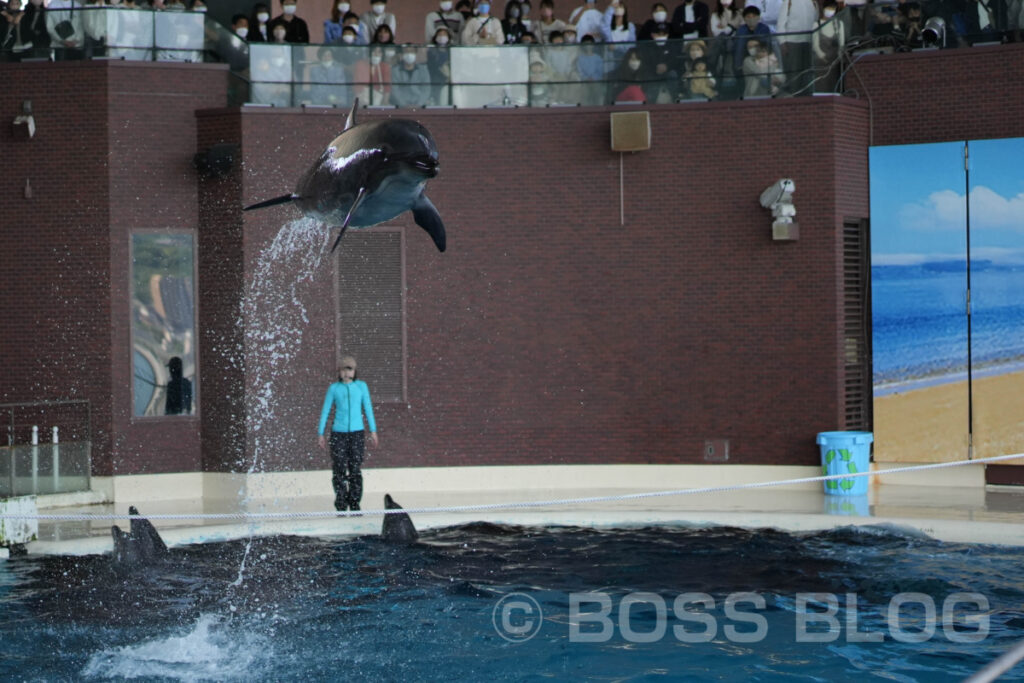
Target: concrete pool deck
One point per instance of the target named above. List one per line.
(975, 514)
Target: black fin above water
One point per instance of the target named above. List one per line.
(397, 527)
(283, 199)
(427, 217)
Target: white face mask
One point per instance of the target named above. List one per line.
(446, 6)
(348, 38)
(442, 40)
(344, 7)
(829, 13)
(201, 8)
(660, 41)
(375, 59)
(634, 64)
(289, 9)
(409, 58)
(242, 32)
(279, 36)
(378, 9)
(660, 16)
(263, 17)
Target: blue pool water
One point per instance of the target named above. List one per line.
(920, 323)
(342, 609)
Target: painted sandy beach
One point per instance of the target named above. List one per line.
(930, 424)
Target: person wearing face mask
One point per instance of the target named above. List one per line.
(438, 67)
(410, 80)
(31, 28)
(446, 17)
(351, 20)
(333, 26)
(327, 80)
(751, 27)
(483, 29)
(616, 26)
(65, 28)
(350, 399)
(630, 79)
(295, 29)
(828, 42)
(379, 16)
(512, 25)
(762, 75)
(373, 79)
(657, 23)
(797, 18)
(258, 32)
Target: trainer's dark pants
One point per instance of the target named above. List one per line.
(347, 450)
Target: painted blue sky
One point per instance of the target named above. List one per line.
(918, 209)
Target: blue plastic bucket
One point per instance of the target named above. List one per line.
(845, 453)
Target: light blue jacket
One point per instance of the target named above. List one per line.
(349, 401)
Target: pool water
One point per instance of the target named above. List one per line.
(482, 601)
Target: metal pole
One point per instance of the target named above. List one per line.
(35, 459)
(56, 461)
(970, 354)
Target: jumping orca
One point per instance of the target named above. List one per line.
(397, 527)
(369, 174)
(141, 547)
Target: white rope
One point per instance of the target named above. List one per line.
(998, 667)
(254, 516)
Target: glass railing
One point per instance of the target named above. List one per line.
(725, 67)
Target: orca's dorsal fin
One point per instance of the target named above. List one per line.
(351, 120)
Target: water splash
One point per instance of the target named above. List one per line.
(209, 651)
(274, 317)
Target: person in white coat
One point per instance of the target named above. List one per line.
(797, 18)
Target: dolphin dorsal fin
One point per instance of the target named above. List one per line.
(351, 120)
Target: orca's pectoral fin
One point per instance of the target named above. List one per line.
(283, 199)
(429, 219)
(348, 217)
(351, 120)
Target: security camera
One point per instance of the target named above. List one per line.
(934, 32)
(779, 191)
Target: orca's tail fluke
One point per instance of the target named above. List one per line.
(283, 199)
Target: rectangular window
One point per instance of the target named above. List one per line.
(371, 309)
(163, 315)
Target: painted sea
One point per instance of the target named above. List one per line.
(919, 319)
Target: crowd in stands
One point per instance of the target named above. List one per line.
(700, 49)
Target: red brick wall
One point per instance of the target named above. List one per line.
(548, 333)
(112, 153)
(943, 95)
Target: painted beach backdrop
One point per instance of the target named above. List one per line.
(919, 299)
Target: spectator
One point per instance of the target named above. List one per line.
(540, 82)
(547, 22)
(32, 29)
(410, 81)
(240, 25)
(65, 28)
(569, 34)
(351, 19)
(907, 33)
(13, 44)
(524, 14)
(258, 31)
(658, 21)
(827, 44)
(178, 400)
(761, 75)
(465, 8)
(374, 79)
(587, 19)
(445, 17)
(383, 35)
(349, 35)
(439, 67)
(690, 19)
(725, 19)
(334, 25)
(295, 29)
(483, 29)
(769, 11)
(528, 38)
(616, 26)
(590, 67)
(797, 18)
(699, 81)
(328, 80)
(94, 22)
(512, 25)
(560, 58)
(630, 79)
(378, 16)
(666, 62)
(695, 50)
(752, 26)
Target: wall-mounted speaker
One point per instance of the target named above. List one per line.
(631, 131)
